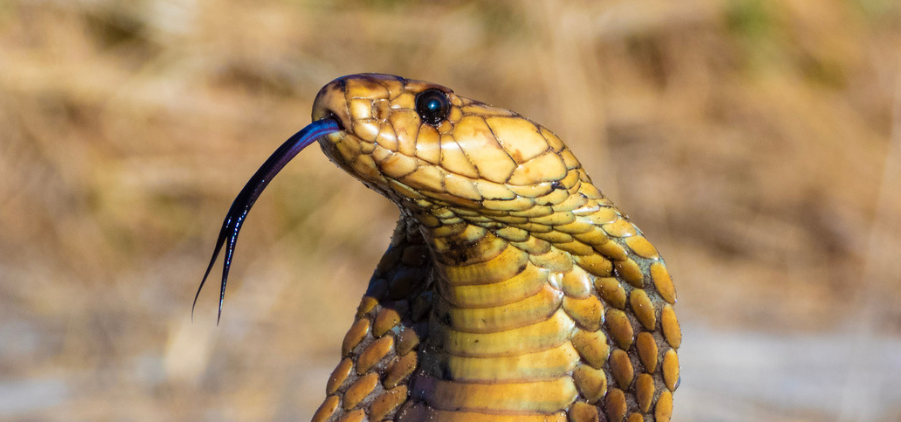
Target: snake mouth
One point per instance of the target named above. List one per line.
(234, 220)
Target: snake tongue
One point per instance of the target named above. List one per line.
(252, 190)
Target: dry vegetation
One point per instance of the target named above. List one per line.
(757, 142)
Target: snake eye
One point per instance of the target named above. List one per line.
(432, 106)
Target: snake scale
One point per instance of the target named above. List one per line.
(512, 289)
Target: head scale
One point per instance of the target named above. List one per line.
(424, 146)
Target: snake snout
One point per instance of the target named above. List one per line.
(330, 103)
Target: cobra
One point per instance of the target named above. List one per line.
(512, 290)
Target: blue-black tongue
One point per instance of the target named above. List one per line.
(231, 227)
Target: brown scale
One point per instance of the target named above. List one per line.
(379, 351)
(513, 290)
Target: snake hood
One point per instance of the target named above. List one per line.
(513, 290)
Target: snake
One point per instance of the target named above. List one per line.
(512, 288)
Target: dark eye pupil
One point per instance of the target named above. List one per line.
(432, 106)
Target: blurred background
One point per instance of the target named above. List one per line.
(757, 143)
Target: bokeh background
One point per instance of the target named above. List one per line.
(758, 143)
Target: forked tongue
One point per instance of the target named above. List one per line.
(252, 190)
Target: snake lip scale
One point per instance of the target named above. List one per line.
(512, 290)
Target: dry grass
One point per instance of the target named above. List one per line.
(758, 143)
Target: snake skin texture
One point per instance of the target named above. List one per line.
(512, 290)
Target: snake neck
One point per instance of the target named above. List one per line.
(498, 337)
(545, 314)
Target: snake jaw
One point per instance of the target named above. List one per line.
(242, 204)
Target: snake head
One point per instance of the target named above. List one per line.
(425, 147)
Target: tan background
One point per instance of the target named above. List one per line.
(757, 143)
